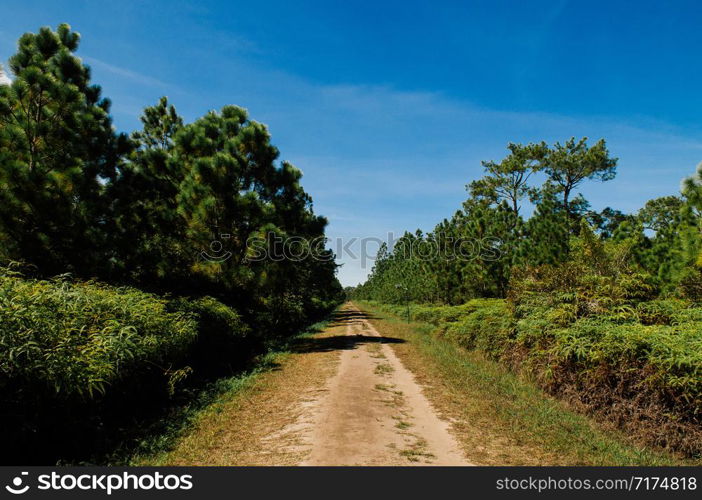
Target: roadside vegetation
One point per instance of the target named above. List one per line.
(501, 417)
(128, 281)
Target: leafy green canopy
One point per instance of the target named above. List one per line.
(216, 180)
(83, 360)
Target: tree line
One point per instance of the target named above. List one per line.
(475, 253)
(78, 197)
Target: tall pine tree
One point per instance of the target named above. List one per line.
(57, 151)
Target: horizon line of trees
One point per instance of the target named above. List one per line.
(662, 239)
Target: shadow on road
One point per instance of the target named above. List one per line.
(343, 342)
(349, 316)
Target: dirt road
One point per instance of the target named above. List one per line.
(341, 398)
(373, 412)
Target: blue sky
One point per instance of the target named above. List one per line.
(389, 107)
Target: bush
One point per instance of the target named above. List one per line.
(483, 324)
(224, 341)
(84, 364)
(79, 339)
(592, 331)
(691, 284)
(638, 364)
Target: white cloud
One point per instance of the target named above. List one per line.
(126, 73)
(4, 79)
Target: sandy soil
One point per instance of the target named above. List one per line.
(372, 411)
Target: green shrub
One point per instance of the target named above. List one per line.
(224, 341)
(84, 364)
(690, 285)
(483, 324)
(77, 339)
(638, 362)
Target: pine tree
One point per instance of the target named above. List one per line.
(547, 229)
(148, 234)
(569, 164)
(57, 151)
(508, 179)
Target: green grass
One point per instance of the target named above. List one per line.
(511, 405)
(383, 369)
